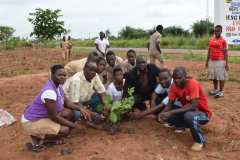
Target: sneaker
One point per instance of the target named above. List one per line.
(180, 130)
(197, 147)
(213, 92)
(219, 94)
(168, 125)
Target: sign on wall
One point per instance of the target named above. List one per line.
(227, 14)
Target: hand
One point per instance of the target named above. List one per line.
(147, 104)
(164, 116)
(227, 67)
(105, 110)
(86, 113)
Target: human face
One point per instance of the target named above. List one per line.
(59, 77)
(90, 72)
(179, 79)
(101, 66)
(165, 79)
(111, 60)
(102, 35)
(131, 58)
(141, 65)
(217, 32)
(118, 76)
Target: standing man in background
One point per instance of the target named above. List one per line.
(69, 49)
(154, 49)
(64, 46)
(102, 44)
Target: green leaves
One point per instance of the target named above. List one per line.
(46, 24)
(118, 108)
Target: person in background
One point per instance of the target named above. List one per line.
(154, 48)
(130, 62)
(115, 89)
(194, 111)
(102, 44)
(69, 49)
(112, 61)
(64, 46)
(51, 115)
(217, 62)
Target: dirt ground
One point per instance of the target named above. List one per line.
(24, 71)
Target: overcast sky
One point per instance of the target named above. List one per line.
(88, 17)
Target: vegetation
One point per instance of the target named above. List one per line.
(118, 108)
(46, 24)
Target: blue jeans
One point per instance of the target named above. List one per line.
(192, 120)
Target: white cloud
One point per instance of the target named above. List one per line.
(91, 16)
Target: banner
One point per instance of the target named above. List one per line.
(227, 14)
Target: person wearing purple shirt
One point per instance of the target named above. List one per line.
(50, 117)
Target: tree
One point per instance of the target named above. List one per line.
(46, 24)
(175, 31)
(6, 33)
(132, 33)
(202, 27)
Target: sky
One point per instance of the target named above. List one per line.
(85, 18)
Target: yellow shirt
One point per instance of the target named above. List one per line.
(126, 66)
(109, 69)
(79, 90)
(155, 38)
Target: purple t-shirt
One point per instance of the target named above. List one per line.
(37, 110)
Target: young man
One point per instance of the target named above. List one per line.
(69, 49)
(194, 111)
(85, 87)
(130, 62)
(217, 62)
(160, 95)
(144, 80)
(102, 44)
(115, 89)
(112, 61)
(154, 49)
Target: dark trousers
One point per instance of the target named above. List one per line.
(192, 120)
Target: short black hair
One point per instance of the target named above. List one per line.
(110, 52)
(56, 67)
(159, 27)
(92, 56)
(116, 69)
(218, 26)
(181, 70)
(165, 70)
(100, 59)
(131, 51)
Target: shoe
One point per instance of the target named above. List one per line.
(219, 94)
(180, 130)
(197, 147)
(168, 125)
(213, 92)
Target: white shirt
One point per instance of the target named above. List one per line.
(102, 44)
(114, 93)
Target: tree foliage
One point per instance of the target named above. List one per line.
(175, 31)
(132, 33)
(46, 23)
(6, 33)
(202, 27)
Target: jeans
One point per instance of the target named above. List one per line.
(192, 120)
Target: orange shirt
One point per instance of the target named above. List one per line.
(191, 91)
(217, 47)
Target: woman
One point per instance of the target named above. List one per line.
(217, 62)
(50, 116)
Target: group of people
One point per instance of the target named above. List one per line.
(174, 98)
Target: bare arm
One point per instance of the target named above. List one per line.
(208, 56)
(226, 59)
(148, 45)
(53, 115)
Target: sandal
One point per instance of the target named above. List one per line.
(54, 142)
(34, 147)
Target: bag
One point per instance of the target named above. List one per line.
(6, 118)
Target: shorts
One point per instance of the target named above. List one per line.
(41, 128)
